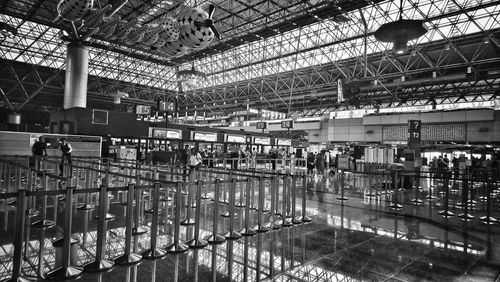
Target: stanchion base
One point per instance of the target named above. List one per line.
(430, 198)
(263, 228)
(138, 230)
(33, 213)
(188, 221)
(232, 235)
(177, 248)
(196, 243)
(342, 198)
(64, 273)
(108, 216)
(226, 214)
(239, 205)
(248, 231)
(215, 239)
(446, 213)
(20, 279)
(150, 211)
(297, 220)
(286, 222)
(371, 194)
(396, 206)
(166, 199)
(417, 202)
(466, 216)
(276, 224)
(43, 224)
(85, 207)
(488, 220)
(306, 219)
(154, 253)
(128, 259)
(99, 266)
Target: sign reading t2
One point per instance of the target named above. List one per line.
(414, 133)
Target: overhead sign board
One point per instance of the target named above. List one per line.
(261, 125)
(143, 110)
(164, 106)
(287, 124)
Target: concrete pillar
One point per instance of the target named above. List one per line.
(75, 85)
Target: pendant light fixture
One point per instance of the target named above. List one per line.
(400, 32)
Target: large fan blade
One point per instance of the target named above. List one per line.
(214, 30)
(211, 10)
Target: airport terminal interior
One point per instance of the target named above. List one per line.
(250, 140)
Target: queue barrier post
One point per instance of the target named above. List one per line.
(153, 252)
(177, 246)
(129, 258)
(305, 218)
(197, 242)
(261, 226)
(44, 222)
(216, 238)
(66, 271)
(100, 264)
(232, 234)
(446, 212)
(247, 230)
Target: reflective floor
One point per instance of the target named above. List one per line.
(359, 239)
(343, 243)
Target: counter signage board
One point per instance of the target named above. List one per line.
(171, 134)
(284, 142)
(205, 136)
(165, 133)
(262, 140)
(343, 162)
(235, 139)
(159, 133)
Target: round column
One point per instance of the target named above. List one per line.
(75, 84)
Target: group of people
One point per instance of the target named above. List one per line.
(39, 151)
(320, 161)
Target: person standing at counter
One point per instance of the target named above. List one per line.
(66, 150)
(39, 151)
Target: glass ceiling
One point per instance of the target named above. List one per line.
(324, 42)
(329, 41)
